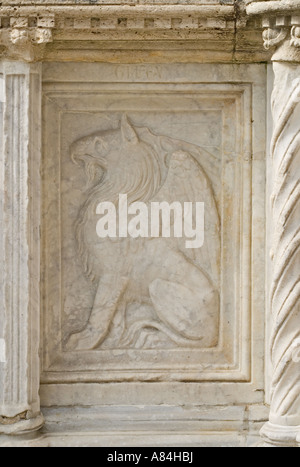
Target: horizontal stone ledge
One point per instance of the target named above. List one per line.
(255, 7)
(81, 11)
(116, 2)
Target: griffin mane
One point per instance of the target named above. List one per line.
(140, 185)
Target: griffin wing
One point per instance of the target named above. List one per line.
(187, 182)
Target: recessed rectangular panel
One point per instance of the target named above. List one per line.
(146, 308)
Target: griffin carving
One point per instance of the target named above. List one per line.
(151, 292)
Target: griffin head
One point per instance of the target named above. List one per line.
(98, 152)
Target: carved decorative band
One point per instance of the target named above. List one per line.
(91, 17)
(117, 22)
(36, 26)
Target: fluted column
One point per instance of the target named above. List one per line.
(19, 246)
(23, 38)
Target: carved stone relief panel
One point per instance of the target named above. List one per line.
(148, 308)
(146, 274)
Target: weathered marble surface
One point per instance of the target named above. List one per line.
(202, 126)
(148, 426)
(112, 335)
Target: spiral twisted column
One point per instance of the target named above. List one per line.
(280, 21)
(285, 286)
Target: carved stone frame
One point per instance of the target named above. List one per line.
(235, 359)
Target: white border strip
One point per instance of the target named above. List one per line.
(2, 89)
(2, 351)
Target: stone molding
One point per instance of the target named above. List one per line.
(122, 17)
(31, 36)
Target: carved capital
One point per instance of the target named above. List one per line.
(281, 23)
(24, 37)
(295, 36)
(280, 29)
(273, 37)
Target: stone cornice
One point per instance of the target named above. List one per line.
(281, 7)
(124, 17)
(127, 10)
(281, 22)
(32, 32)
